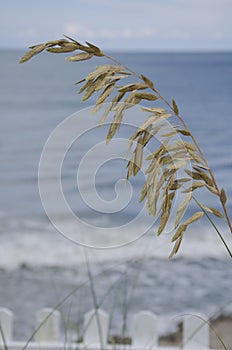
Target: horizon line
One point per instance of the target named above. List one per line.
(145, 50)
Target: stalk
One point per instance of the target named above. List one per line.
(89, 51)
(187, 129)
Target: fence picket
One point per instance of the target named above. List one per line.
(48, 321)
(144, 334)
(6, 325)
(144, 330)
(96, 324)
(195, 332)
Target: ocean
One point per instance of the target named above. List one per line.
(40, 266)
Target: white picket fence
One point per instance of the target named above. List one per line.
(96, 323)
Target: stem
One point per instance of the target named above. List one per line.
(215, 227)
(227, 216)
(123, 65)
(94, 297)
(187, 129)
(210, 326)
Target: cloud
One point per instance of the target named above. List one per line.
(26, 33)
(78, 30)
(124, 33)
(122, 24)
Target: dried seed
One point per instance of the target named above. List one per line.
(138, 157)
(179, 232)
(80, 81)
(199, 167)
(176, 247)
(96, 50)
(154, 110)
(148, 82)
(130, 87)
(130, 167)
(184, 132)
(194, 218)
(107, 111)
(175, 108)
(105, 94)
(189, 145)
(195, 156)
(116, 122)
(213, 190)
(216, 212)
(146, 96)
(223, 197)
(68, 47)
(88, 93)
(194, 175)
(195, 186)
(163, 222)
(80, 57)
(206, 178)
(85, 86)
(143, 192)
(182, 208)
(178, 164)
(34, 51)
(170, 134)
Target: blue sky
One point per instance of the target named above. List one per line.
(122, 24)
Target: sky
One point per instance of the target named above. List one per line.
(153, 25)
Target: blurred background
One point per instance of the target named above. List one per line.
(185, 47)
(120, 25)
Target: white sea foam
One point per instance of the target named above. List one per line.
(35, 244)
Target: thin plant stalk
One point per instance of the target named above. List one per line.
(210, 326)
(170, 157)
(214, 226)
(94, 298)
(57, 307)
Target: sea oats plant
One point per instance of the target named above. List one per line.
(112, 83)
